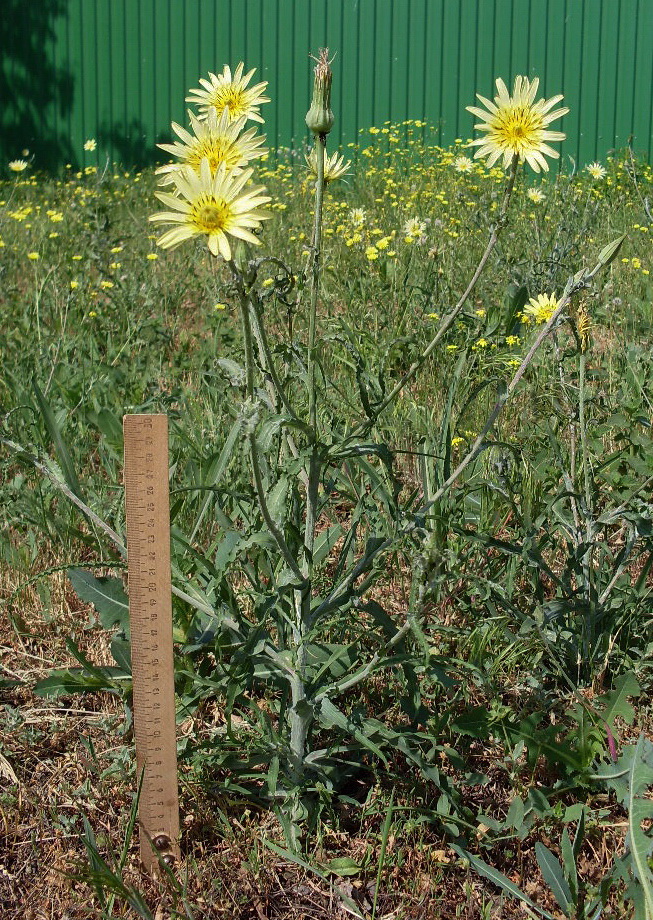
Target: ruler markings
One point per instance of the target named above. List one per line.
(147, 506)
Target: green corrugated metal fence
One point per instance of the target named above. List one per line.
(118, 70)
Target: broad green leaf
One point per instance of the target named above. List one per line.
(615, 703)
(342, 866)
(106, 594)
(631, 778)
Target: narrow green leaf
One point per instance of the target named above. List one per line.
(63, 455)
(553, 875)
(500, 880)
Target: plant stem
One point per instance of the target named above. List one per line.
(275, 532)
(302, 715)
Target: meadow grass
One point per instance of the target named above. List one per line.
(532, 577)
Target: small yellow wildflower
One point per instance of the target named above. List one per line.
(76, 258)
(74, 285)
(90, 144)
(92, 313)
(596, 171)
(18, 166)
(106, 284)
(463, 164)
(372, 253)
(152, 256)
(268, 282)
(220, 306)
(34, 256)
(536, 195)
(540, 309)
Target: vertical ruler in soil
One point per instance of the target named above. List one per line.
(150, 613)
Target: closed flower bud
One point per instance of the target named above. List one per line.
(319, 117)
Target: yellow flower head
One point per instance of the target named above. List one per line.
(218, 138)
(334, 166)
(596, 171)
(230, 92)
(18, 166)
(540, 309)
(517, 126)
(215, 206)
(536, 195)
(90, 144)
(414, 228)
(463, 164)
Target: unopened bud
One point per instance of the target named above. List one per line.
(242, 255)
(319, 117)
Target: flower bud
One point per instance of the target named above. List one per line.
(242, 255)
(319, 117)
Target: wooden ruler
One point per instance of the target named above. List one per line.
(150, 613)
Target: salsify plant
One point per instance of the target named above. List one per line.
(284, 594)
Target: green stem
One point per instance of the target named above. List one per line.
(301, 715)
(588, 512)
(257, 476)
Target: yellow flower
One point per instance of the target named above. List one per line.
(540, 309)
(220, 306)
(536, 195)
(18, 166)
(106, 284)
(230, 92)
(596, 171)
(34, 256)
(463, 164)
(74, 285)
(372, 253)
(414, 228)
(517, 126)
(92, 313)
(357, 216)
(152, 256)
(218, 139)
(76, 258)
(211, 205)
(90, 144)
(334, 166)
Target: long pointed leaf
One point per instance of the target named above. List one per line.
(554, 877)
(63, 455)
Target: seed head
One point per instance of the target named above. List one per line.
(319, 117)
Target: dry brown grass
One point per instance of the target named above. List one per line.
(70, 756)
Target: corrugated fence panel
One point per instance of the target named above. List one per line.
(118, 70)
